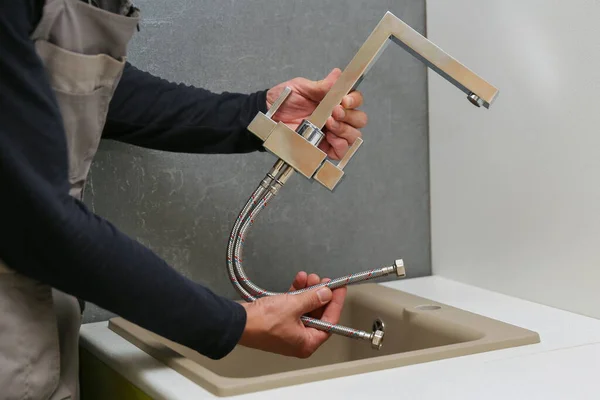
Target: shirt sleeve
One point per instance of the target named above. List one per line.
(51, 237)
(152, 112)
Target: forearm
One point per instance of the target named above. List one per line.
(151, 112)
(56, 240)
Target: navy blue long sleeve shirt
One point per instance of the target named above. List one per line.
(49, 236)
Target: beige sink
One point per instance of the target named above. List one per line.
(417, 330)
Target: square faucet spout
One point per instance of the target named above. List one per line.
(479, 92)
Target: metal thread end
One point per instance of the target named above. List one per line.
(475, 100)
(265, 183)
(400, 270)
(285, 175)
(276, 169)
(274, 188)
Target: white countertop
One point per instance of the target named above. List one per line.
(565, 365)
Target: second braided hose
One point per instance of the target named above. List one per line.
(250, 291)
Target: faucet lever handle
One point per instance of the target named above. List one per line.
(329, 175)
(263, 125)
(350, 153)
(278, 102)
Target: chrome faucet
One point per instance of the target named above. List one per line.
(298, 151)
(301, 152)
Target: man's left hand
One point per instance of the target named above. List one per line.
(342, 128)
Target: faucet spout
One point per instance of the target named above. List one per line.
(391, 29)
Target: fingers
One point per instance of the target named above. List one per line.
(355, 118)
(352, 100)
(272, 323)
(339, 136)
(318, 313)
(324, 85)
(302, 281)
(334, 309)
(313, 279)
(321, 304)
(316, 90)
(299, 281)
(331, 314)
(342, 130)
(337, 146)
(311, 300)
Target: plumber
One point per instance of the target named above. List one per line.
(64, 85)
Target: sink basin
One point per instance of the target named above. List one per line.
(417, 330)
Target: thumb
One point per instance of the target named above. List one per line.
(318, 89)
(313, 299)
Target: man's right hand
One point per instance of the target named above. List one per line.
(273, 323)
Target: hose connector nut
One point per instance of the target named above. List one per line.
(377, 340)
(266, 182)
(400, 270)
(274, 188)
(377, 335)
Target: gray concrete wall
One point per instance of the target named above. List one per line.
(183, 206)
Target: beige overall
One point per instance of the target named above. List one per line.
(83, 48)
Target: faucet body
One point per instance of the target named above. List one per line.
(300, 151)
(297, 151)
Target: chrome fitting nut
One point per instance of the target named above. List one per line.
(400, 270)
(274, 188)
(377, 340)
(266, 182)
(377, 335)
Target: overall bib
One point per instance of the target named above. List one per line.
(83, 48)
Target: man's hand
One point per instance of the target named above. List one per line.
(342, 128)
(273, 323)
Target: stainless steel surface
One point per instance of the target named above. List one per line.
(400, 270)
(377, 340)
(337, 329)
(350, 153)
(286, 174)
(329, 175)
(294, 150)
(475, 100)
(278, 102)
(378, 334)
(262, 126)
(310, 132)
(391, 27)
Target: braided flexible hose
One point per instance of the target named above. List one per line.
(260, 292)
(248, 290)
(231, 244)
(241, 282)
